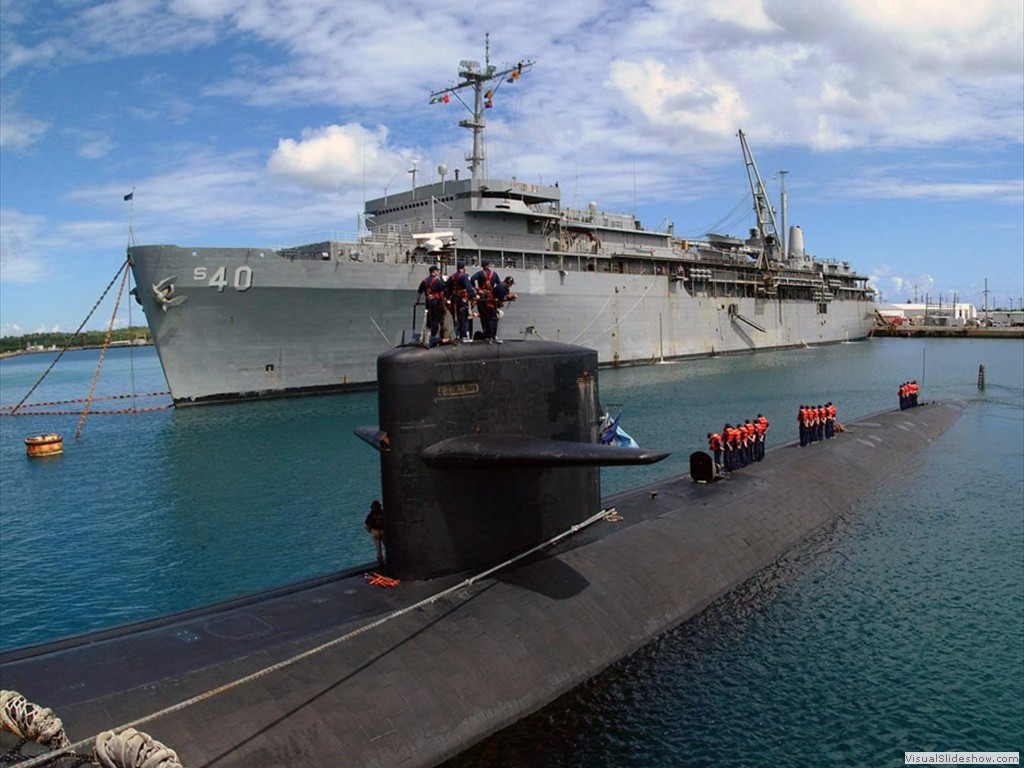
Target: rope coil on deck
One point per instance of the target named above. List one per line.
(127, 749)
(21, 717)
(132, 749)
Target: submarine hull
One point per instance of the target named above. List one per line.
(423, 686)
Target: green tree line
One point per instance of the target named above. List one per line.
(59, 339)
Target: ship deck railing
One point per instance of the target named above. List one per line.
(511, 251)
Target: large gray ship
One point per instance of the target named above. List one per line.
(241, 323)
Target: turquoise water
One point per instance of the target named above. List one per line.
(900, 627)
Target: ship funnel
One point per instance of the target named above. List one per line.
(796, 243)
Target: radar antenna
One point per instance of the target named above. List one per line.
(766, 227)
(472, 76)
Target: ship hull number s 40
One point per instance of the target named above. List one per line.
(220, 278)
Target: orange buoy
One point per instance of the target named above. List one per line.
(44, 445)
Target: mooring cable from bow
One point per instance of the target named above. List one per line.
(73, 336)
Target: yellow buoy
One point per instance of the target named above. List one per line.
(44, 445)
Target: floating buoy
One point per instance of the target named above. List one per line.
(44, 445)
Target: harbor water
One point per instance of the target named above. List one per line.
(899, 627)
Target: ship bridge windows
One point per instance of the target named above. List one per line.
(416, 204)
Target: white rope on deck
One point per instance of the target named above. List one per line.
(49, 756)
(26, 720)
(132, 749)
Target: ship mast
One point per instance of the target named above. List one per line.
(472, 76)
(766, 226)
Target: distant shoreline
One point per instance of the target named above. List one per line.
(20, 352)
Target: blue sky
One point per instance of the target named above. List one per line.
(269, 122)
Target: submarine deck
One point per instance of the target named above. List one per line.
(419, 688)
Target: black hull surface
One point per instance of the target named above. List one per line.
(422, 686)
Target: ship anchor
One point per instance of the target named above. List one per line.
(164, 293)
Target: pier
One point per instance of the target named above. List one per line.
(946, 332)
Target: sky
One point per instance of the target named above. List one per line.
(263, 123)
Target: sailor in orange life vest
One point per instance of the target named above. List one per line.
(801, 420)
(459, 291)
(485, 282)
(729, 436)
(811, 420)
(761, 424)
(750, 435)
(830, 420)
(715, 446)
(432, 291)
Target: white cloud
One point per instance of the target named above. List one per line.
(687, 103)
(19, 132)
(749, 14)
(827, 74)
(901, 288)
(333, 156)
(93, 145)
(21, 258)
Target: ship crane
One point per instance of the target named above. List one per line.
(771, 243)
(472, 76)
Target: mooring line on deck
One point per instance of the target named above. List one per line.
(50, 756)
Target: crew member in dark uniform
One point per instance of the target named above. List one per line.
(484, 284)
(502, 295)
(374, 525)
(459, 291)
(432, 291)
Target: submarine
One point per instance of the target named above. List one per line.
(516, 581)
